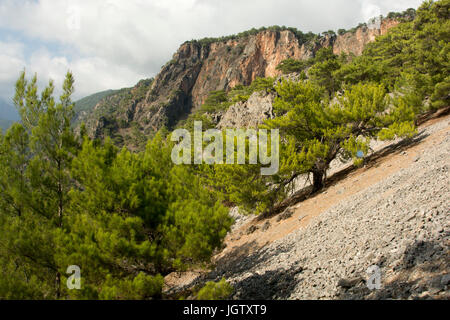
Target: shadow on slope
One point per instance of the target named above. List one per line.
(423, 273)
(262, 285)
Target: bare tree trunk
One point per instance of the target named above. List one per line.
(60, 217)
(60, 209)
(318, 183)
(58, 285)
(60, 196)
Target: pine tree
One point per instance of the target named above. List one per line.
(322, 72)
(416, 50)
(126, 219)
(323, 129)
(315, 131)
(37, 155)
(135, 218)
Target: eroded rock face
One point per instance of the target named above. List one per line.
(241, 61)
(169, 98)
(196, 69)
(355, 42)
(248, 114)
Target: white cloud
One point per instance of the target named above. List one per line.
(11, 62)
(114, 43)
(52, 67)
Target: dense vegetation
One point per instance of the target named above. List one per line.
(89, 102)
(344, 104)
(314, 131)
(302, 37)
(292, 65)
(413, 56)
(128, 219)
(320, 68)
(408, 14)
(215, 291)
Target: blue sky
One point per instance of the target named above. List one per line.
(111, 44)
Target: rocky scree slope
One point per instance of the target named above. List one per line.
(396, 216)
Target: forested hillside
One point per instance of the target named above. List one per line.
(88, 103)
(347, 101)
(128, 217)
(200, 67)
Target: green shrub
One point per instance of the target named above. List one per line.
(221, 290)
(291, 65)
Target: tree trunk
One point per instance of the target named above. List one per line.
(60, 196)
(58, 285)
(317, 180)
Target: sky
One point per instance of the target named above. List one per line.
(111, 44)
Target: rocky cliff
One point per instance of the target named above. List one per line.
(198, 68)
(354, 42)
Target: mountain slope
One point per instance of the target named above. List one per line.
(200, 67)
(8, 114)
(392, 213)
(5, 124)
(113, 115)
(7, 111)
(89, 102)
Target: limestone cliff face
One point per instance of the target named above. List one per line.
(170, 96)
(241, 61)
(354, 42)
(198, 68)
(248, 114)
(226, 64)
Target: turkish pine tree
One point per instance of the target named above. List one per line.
(321, 129)
(137, 218)
(35, 183)
(322, 72)
(126, 219)
(314, 131)
(416, 51)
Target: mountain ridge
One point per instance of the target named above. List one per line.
(200, 67)
(8, 114)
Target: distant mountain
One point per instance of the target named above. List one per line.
(8, 111)
(8, 114)
(5, 124)
(111, 112)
